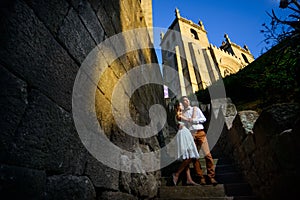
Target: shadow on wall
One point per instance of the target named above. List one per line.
(43, 44)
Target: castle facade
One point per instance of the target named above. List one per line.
(186, 49)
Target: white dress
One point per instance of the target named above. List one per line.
(186, 147)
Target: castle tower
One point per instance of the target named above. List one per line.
(199, 63)
(189, 54)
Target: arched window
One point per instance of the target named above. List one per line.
(194, 34)
(245, 58)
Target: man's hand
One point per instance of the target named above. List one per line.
(194, 135)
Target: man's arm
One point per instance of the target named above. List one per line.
(198, 116)
(181, 117)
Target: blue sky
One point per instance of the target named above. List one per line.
(242, 20)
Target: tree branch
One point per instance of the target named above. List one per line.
(296, 3)
(293, 9)
(295, 16)
(283, 21)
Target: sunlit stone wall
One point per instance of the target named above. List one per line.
(43, 45)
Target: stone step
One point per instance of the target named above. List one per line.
(225, 178)
(244, 198)
(191, 192)
(212, 198)
(219, 169)
(197, 198)
(221, 166)
(217, 161)
(232, 184)
(238, 189)
(221, 191)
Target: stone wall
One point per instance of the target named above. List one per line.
(266, 147)
(43, 44)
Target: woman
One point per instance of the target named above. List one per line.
(186, 148)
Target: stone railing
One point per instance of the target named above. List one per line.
(266, 149)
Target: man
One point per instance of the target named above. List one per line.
(195, 124)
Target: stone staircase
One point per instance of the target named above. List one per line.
(232, 184)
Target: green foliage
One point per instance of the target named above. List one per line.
(271, 78)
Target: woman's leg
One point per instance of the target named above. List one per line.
(189, 179)
(188, 175)
(182, 167)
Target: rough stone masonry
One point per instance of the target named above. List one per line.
(43, 44)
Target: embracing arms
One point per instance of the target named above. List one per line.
(197, 116)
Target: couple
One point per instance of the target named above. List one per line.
(190, 135)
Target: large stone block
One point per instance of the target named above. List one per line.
(13, 103)
(104, 112)
(66, 187)
(222, 147)
(106, 21)
(125, 181)
(94, 4)
(273, 120)
(285, 185)
(30, 51)
(252, 178)
(296, 131)
(102, 176)
(109, 195)
(242, 126)
(107, 82)
(265, 163)
(135, 19)
(236, 133)
(89, 19)
(118, 68)
(123, 140)
(285, 147)
(21, 183)
(127, 16)
(248, 144)
(125, 62)
(46, 139)
(246, 165)
(113, 10)
(239, 154)
(51, 13)
(144, 186)
(75, 37)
